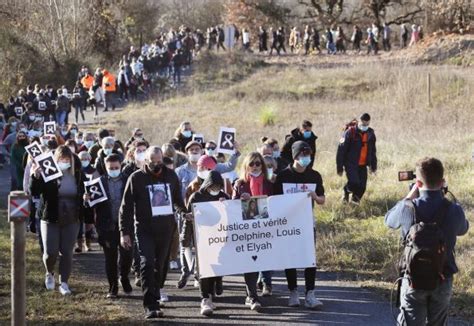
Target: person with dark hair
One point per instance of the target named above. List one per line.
(211, 189)
(94, 149)
(356, 38)
(274, 45)
(262, 39)
(315, 40)
(79, 100)
(17, 153)
(304, 133)
(356, 153)
(426, 205)
(300, 172)
(107, 226)
(61, 212)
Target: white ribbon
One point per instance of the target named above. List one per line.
(35, 151)
(228, 140)
(94, 191)
(48, 167)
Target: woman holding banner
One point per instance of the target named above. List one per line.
(254, 182)
(212, 189)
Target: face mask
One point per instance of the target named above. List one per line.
(307, 134)
(79, 141)
(85, 164)
(140, 157)
(63, 132)
(44, 141)
(203, 174)
(73, 132)
(269, 173)
(89, 143)
(13, 124)
(214, 193)
(24, 130)
(210, 152)
(276, 154)
(255, 174)
(108, 151)
(64, 166)
(155, 167)
(363, 128)
(304, 161)
(113, 173)
(31, 117)
(194, 157)
(187, 134)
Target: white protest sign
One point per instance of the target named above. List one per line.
(34, 149)
(18, 110)
(226, 143)
(227, 244)
(293, 188)
(198, 138)
(41, 105)
(96, 191)
(49, 168)
(49, 128)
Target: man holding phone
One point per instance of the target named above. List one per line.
(356, 153)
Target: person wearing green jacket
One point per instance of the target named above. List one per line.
(17, 153)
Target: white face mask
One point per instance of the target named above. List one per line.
(85, 163)
(255, 174)
(64, 165)
(194, 157)
(270, 173)
(214, 193)
(203, 174)
(140, 157)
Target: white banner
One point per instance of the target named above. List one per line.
(235, 237)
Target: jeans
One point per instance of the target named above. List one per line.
(79, 108)
(154, 246)
(61, 117)
(420, 307)
(177, 75)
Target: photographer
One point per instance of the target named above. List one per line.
(425, 296)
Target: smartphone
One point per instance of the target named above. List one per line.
(406, 175)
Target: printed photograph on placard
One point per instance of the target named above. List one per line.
(255, 208)
(160, 199)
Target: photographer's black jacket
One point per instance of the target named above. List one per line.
(136, 206)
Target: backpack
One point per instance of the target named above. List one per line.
(352, 126)
(424, 255)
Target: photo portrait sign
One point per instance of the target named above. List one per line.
(95, 189)
(49, 168)
(228, 243)
(226, 143)
(160, 199)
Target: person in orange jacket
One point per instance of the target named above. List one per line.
(87, 81)
(109, 86)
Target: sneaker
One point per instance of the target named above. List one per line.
(49, 281)
(219, 286)
(111, 295)
(260, 285)
(138, 281)
(196, 283)
(64, 289)
(311, 301)
(253, 303)
(267, 291)
(174, 265)
(88, 245)
(153, 313)
(294, 299)
(126, 286)
(164, 296)
(183, 279)
(206, 307)
(345, 197)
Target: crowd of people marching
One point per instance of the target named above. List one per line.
(133, 240)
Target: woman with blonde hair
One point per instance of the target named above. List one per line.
(61, 208)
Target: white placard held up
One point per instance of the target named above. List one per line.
(96, 191)
(49, 167)
(293, 188)
(49, 128)
(34, 149)
(226, 143)
(227, 244)
(199, 138)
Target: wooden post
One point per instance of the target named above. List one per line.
(18, 211)
(429, 89)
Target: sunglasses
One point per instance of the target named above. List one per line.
(139, 135)
(211, 148)
(257, 164)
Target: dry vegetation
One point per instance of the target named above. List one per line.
(349, 239)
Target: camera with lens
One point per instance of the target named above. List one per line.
(410, 175)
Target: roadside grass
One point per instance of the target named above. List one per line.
(349, 238)
(86, 306)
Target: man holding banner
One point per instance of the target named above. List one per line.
(302, 177)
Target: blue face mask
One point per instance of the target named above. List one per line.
(307, 134)
(304, 161)
(276, 154)
(363, 128)
(113, 173)
(107, 151)
(187, 133)
(210, 152)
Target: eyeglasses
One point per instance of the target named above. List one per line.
(257, 164)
